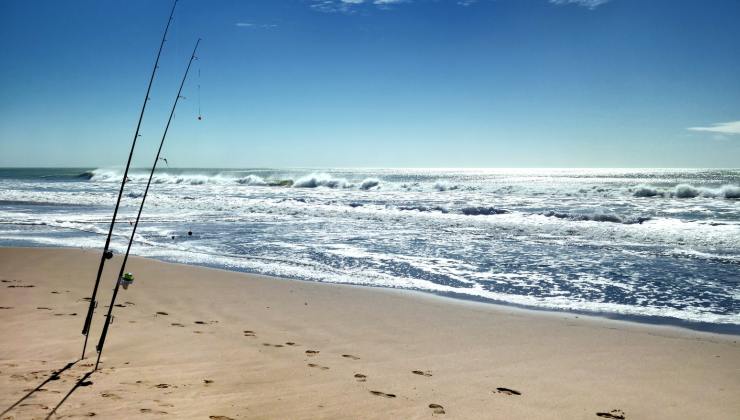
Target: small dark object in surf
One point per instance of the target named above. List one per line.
(190, 233)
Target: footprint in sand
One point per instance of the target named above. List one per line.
(110, 395)
(220, 418)
(150, 411)
(207, 381)
(118, 305)
(272, 345)
(177, 324)
(360, 377)
(383, 394)
(314, 365)
(6, 307)
(289, 343)
(161, 313)
(43, 307)
(312, 352)
(249, 333)
(421, 373)
(349, 356)
(164, 386)
(614, 414)
(438, 409)
(200, 322)
(508, 391)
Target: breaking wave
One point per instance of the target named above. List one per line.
(369, 183)
(251, 180)
(320, 180)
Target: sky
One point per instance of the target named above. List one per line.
(373, 83)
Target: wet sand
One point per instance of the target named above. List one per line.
(190, 342)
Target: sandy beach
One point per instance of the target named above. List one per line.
(190, 342)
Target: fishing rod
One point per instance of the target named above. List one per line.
(107, 254)
(103, 335)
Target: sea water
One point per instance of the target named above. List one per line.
(660, 245)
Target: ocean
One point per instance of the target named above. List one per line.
(650, 245)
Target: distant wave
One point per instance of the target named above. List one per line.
(320, 180)
(313, 180)
(369, 183)
(251, 180)
(687, 191)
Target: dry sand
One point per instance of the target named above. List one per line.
(240, 346)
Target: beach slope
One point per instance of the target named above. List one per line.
(190, 342)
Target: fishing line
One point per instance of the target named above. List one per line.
(200, 116)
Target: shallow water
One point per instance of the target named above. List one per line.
(649, 244)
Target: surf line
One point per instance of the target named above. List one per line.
(107, 253)
(103, 335)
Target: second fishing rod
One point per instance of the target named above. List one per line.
(103, 335)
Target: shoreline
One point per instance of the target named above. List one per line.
(196, 342)
(659, 321)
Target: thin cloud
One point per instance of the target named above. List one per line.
(730, 128)
(255, 25)
(589, 4)
(351, 6)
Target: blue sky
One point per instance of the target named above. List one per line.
(383, 83)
